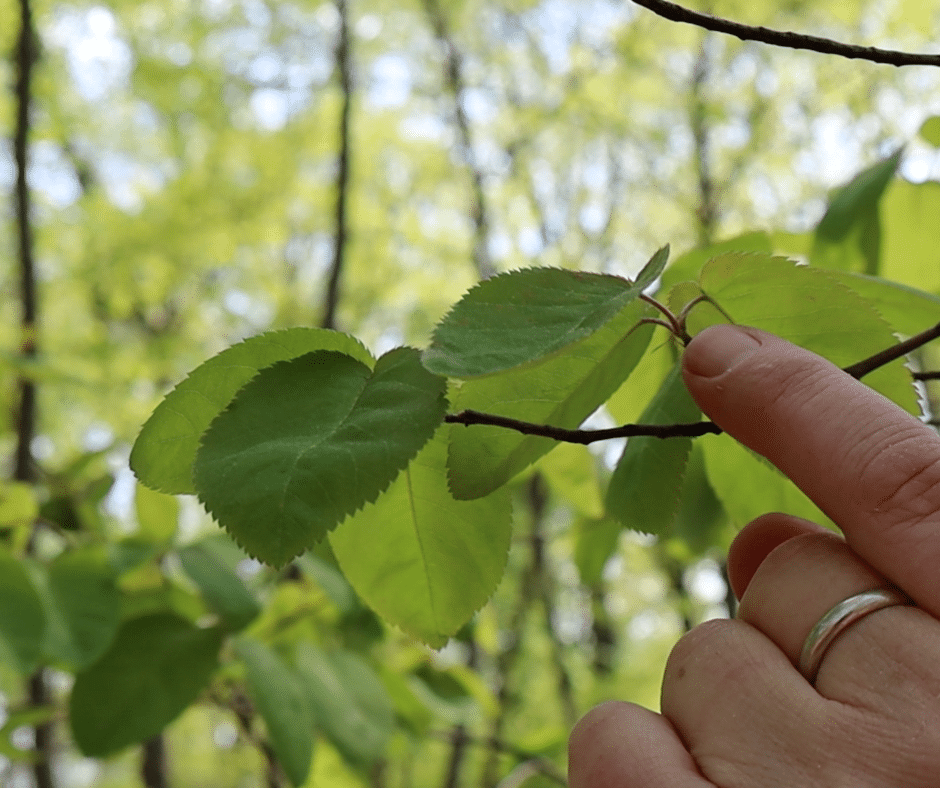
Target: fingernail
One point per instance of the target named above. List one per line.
(717, 349)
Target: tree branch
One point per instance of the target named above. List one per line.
(692, 430)
(790, 40)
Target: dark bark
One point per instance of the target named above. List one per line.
(153, 766)
(341, 220)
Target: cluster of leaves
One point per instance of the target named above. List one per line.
(294, 435)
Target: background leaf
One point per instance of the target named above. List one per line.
(421, 559)
(348, 701)
(83, 606)
(155, 668)
(22, 619)
(280, 698)
(524, 316)
(849, 235)
(221, 587)
(165, 450)
(748, 485)
(309, 441)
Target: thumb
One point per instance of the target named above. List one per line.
(872, 467)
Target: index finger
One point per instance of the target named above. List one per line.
(870, 466)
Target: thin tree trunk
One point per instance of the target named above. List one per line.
(341, 228)
(25, 55)
(453, 72)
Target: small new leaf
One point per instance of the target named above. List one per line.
(309, 441)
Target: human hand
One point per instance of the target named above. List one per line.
(736, 711)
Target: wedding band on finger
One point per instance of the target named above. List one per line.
(839, 618)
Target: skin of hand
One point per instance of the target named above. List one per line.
(735, 712)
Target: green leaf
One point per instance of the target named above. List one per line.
(644, 490)
(165, 450)
(414, 715)
(911, 253)
(157, 514)
(155, 668)
(309, 441)
(748, 485)
(349, 702)
(852, 221)
(83, 607)
(279, 695)
(421, 559)
(930, 131)
(22, 620)
(523, 316)
(700, 522)
(853, 200)
(223, 591)
(328, 576)
(689, 264)
(807, 307)
(909, 311)
(561, 390)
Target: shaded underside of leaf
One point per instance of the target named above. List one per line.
(164, 452)
(807, 307)
(421, 559)
(645, 487)
(310, 440)
(522, 316)
(748, 485)
(562, 390)
(908, 311)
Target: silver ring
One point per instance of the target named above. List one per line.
(839, 618)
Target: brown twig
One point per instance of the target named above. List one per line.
(788, 39)
(692, 430)
(863, 367)
(469, 417)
